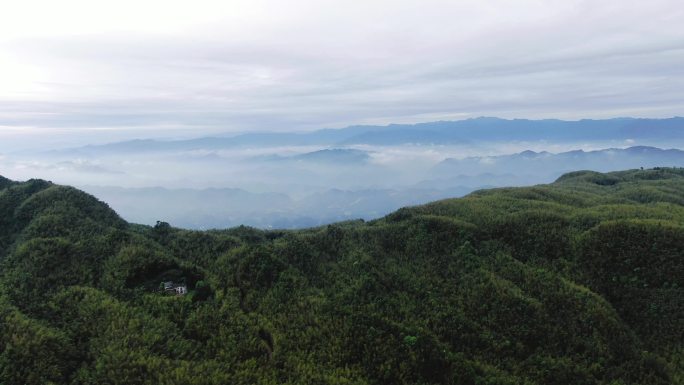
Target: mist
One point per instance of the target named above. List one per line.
(276, 180)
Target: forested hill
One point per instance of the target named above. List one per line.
(576, 282)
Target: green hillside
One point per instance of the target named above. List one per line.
(576, 282)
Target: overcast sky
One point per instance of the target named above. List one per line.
(106, 70)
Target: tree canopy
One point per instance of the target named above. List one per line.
(577, 282)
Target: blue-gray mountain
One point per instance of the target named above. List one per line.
(329, 155)
(549, 165)
(445, 132)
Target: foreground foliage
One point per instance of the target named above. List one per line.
(576, 282)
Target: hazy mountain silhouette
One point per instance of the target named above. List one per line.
(443, 132)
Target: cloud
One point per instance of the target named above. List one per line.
(80, 165)
(168, 69)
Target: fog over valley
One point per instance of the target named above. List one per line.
(293, 180)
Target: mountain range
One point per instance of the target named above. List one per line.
(432, 133)
(547, 163)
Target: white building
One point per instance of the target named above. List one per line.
(175, 288)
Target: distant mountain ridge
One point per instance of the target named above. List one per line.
(328, 155)
(441, 132)
(600, 160)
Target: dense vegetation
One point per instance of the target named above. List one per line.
(576, 282)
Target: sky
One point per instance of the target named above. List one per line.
(96, 71)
